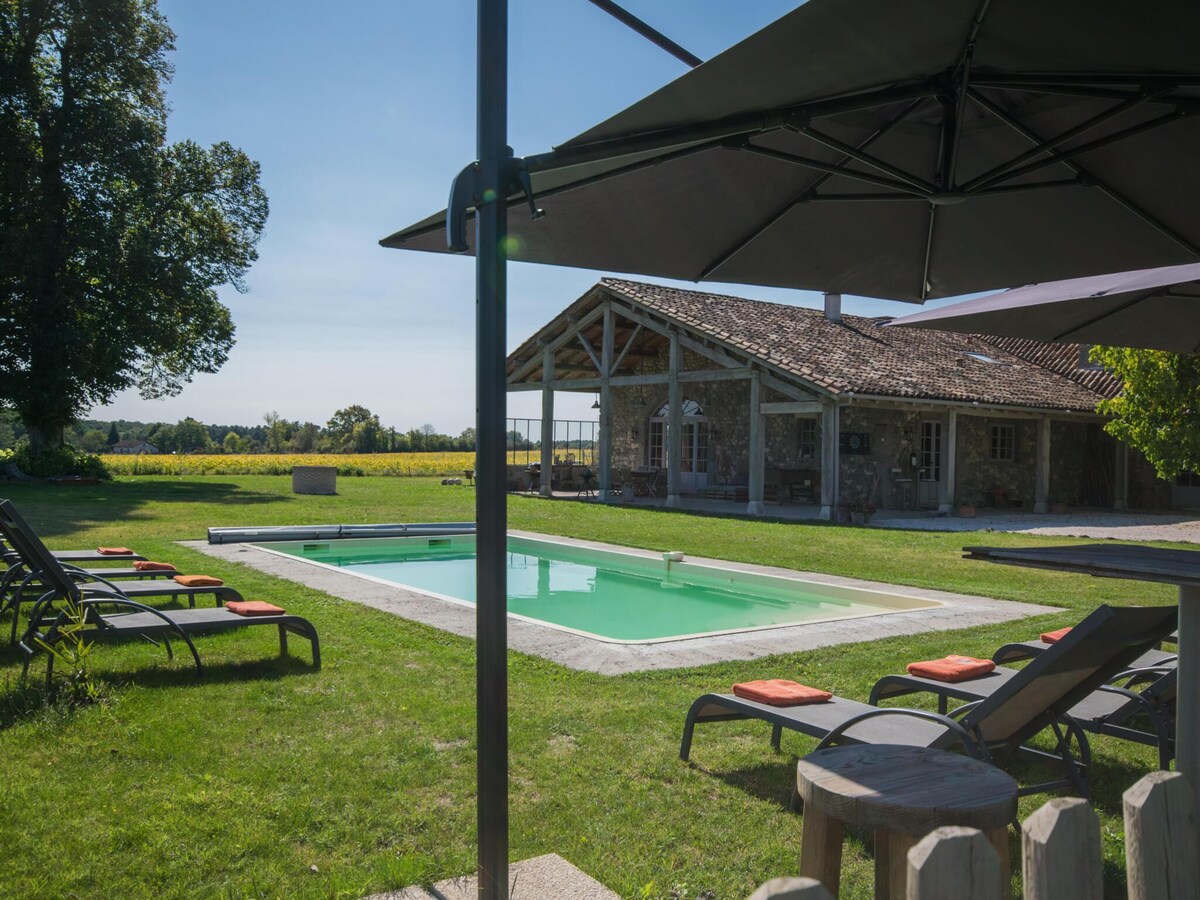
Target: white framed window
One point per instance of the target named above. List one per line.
(808, 437)
(1003, 446)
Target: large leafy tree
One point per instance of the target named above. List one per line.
(1158, 410)
(112, 241)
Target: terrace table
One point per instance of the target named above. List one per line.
(1139, 563)
(902, 793)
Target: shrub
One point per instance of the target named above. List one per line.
(60, 461)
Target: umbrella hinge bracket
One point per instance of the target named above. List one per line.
(468, 192)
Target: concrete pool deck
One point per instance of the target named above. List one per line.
(587, 654)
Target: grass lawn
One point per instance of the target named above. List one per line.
(267, 779)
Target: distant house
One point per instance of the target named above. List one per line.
(129, 446)
(745, 400)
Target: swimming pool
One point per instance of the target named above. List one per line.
(622, 597)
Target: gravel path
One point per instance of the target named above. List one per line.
(1121, 526)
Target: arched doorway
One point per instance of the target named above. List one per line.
(693, 463)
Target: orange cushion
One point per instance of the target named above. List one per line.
(1053, 637)
(780, 692)
(254, 608)
(146, 565)
(114, 551)
(198, 581)
(951, 668)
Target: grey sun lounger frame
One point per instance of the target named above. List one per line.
(1035, 698)
(1109, 710)
(40, 565)
(83, 556)
(144, 621)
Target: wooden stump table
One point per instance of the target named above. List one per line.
(902, 794)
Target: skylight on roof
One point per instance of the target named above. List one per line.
(982, 357)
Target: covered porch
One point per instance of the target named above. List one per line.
(684, 420)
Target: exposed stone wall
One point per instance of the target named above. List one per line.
(980, 478)
(886, 475)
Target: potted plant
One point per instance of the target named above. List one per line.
(841, 512)
(966, 508)
(861, 511)
(1058, 504)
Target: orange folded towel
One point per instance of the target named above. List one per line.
(951, 668)
(780, 692)
(146, 565)
(254, 608)
(114, 551)
(198, 581)
(1053, 637)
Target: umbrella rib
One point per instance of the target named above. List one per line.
(831, 169)
(808, 194)
(862, 198)
(1067, 155)
(1036, 186)
(1136, 298)
(874, 162)
(1109, 191)
(987, 178)
(928, 253)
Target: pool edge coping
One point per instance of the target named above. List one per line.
(589, 654)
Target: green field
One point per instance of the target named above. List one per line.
(266, 779)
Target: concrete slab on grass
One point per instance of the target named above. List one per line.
(578, 651)
(548, 877)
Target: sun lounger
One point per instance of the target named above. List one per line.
(1114, 709)
(43, 568)
(84, 556)
(1036, 698)
(144, 621)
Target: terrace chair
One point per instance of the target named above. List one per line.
(83, 556)
(994, 728)
(145, 622)
(44, 569)
(1022, 650)
(1114, 709)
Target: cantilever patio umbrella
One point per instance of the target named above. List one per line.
(903, 150)
(1152, 308)
(906, 150)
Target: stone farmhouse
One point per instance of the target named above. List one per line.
(737, 399)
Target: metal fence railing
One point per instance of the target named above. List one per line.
(574, 441)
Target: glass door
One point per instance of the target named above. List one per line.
(929, 472)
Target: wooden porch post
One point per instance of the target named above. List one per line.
(1041, 496)
(674, 421)
(1121, 477)
(546, 488)
(606, 364)
(757, 447)
(946, 486)
(829, 457)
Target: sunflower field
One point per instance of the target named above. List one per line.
(400, 464)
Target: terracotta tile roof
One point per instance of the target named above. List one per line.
(858, 355)
(1060, 358)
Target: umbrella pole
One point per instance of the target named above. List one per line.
(491, 622)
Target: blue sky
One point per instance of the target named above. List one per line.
(360, 114)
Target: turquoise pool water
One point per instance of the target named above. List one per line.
(611, 595)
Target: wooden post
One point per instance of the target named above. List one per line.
(1187, 726)
(1061, 852)
(546, 488)
(950, 452)
(1161, 838)
(757, 447)
(829, 458)
(606, 423)
(1121, 477)
(951, 863)
(674, 421)
(791, 889)
(1041, 490)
